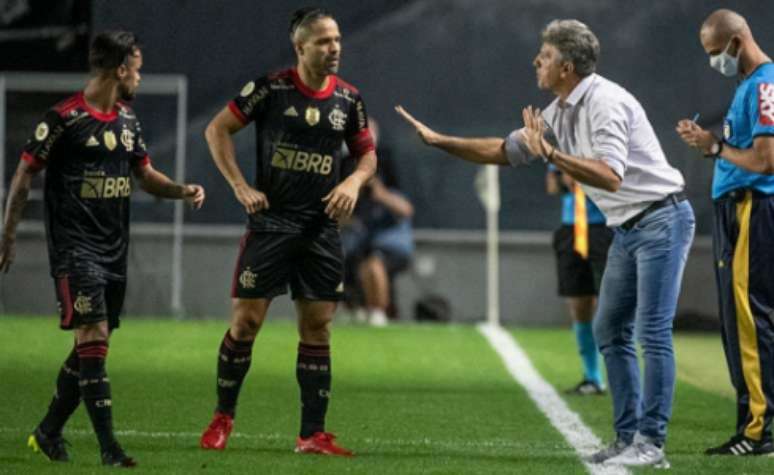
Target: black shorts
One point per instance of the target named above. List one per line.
(86, 299)
(580, 277)
(313, 265)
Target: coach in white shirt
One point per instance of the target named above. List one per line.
(597, 133)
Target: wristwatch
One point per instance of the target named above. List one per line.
(715, 149)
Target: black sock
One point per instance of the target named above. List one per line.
(313, 372)
(233, 362)
(66, 398)
(95, 391)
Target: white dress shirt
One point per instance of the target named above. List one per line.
(600, 120)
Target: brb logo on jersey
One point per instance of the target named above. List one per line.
(287, 158)
(766, 103)
(97, 185)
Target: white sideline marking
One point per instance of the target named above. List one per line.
(567, 422)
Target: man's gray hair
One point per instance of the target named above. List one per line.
(576, 42)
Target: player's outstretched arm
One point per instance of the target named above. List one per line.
(477, 150)
(218, 135)
(17, 199)
(158, 184)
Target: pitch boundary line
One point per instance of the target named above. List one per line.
(567, 422)
(194, 436)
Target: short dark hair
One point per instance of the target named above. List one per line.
(110, 49)
(303, 17)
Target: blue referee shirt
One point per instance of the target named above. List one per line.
(751, 115)
(593, 214)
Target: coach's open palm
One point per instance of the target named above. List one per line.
(252, 199)
(342, 199)
(534, 132)
(428, 135)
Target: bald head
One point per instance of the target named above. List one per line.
(722, 25)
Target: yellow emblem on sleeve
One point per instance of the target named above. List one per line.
(248, 89)
(41, 132)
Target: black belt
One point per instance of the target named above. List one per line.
(672, 199)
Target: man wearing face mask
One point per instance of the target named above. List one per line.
(743, 195)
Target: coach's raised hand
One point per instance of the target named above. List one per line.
(534, 132)
(428, 135)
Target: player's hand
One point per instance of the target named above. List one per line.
(194, 195)
(696, 137)
(533, 133)
(341, 200)
(253, 200)
(428, 135)
(7, 253)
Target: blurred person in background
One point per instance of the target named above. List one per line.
(581, 244)
(743, 196)
(596, 132)
(90, 145)
(378, 241)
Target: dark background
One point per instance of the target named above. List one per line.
(463, 66)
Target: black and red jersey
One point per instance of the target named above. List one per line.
(300, 134)
(88, 156)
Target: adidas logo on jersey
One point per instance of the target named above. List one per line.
(92, 142)
(291, 112)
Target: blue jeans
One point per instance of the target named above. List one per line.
(638, 297)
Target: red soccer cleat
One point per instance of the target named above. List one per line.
(321, 443)
(215, 436)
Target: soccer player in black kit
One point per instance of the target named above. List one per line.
(302, 117)
(90, 144)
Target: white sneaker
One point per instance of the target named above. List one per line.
(643, 452)
(614, 449)
(377, 318)
(360, 315)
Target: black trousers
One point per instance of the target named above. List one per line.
(744, 269)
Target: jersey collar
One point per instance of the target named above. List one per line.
(101, 116)
(309, 92)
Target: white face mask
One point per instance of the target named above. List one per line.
(724, 63)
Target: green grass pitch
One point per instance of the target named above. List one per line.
(406, 399)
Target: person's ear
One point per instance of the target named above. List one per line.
(736, 45)
(567, 68)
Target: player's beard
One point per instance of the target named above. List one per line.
(125, 94)
(332, 68)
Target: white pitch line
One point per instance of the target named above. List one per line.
(424, 442)
(567, 422)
